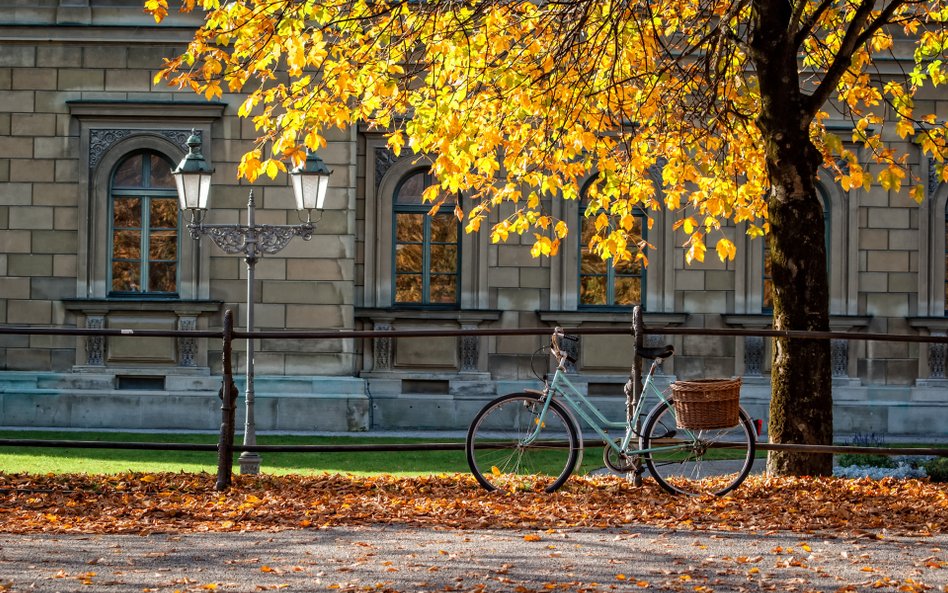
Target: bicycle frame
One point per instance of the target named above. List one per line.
(580, 405)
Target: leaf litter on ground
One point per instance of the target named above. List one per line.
(181, 502)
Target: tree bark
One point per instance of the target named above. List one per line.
(801, 405)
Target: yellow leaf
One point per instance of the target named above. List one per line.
(531, 537)
(620, 577)
(726, 249)
(561, 229)
(495, 470)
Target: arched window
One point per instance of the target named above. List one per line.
(426, 248)
(602, 284)
(144, 237)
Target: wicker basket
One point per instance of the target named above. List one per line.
(707, 403)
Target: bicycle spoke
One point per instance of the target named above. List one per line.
(703, 462)
(505, 452)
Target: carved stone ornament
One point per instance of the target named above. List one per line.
(101, 140)
(384, 159)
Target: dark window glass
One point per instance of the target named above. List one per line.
(602, 284)
(144, 217)
(426, 247)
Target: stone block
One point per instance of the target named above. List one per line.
(503, 277)
(16, 287)
(54, 242)
(323, 246)
(51, 288)
(105, 56)
(6, 79)
(901, 372)
(33, 124)
(907, 282)
(705, 301)
(148, 56)
(719, 280)
(65, 265)
(607, 352)
(28, 359)
(29, 264)
(33, 171)
(66, 171)
(4, 167)
(517, 256)
(314, 317)
(535, 277)
(58, 56)
(16, 194)
(887, 261)
(689, 279)
(860, 419)
(318, 269)
(906, 240)
(518, 299)
(873, 282)
(873, 238)
(887, 305)
(127, 80)
(268, 268)
(135, 350)
(55, 101)
(31, 217)
(15, 241)
(267, 315)
(65, 219)
(29, 79)
(427, 352)
(888, 218)
(56, 148)
(17, 148)
(82, 79)
(17, 56)
(30, 312)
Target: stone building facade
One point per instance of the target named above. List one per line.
(87, 239)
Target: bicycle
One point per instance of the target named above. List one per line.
(505, 450)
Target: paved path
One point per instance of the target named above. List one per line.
(399, 558)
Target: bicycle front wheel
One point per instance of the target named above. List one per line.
(505, 451)
(696, 462)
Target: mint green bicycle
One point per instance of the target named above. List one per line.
(532, 440)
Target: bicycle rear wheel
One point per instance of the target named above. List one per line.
(503, 455)
(696, 462)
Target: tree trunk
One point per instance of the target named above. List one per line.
(801, 404)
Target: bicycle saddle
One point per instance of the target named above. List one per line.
(653, 353)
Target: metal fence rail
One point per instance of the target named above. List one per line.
(227, 334)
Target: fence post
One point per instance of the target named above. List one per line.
(633, 387)
(225, 445)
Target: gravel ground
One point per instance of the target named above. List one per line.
(399, 558)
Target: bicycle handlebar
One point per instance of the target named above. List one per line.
(560, 355)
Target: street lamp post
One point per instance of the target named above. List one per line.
(193, 179)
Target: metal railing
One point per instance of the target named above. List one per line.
(227, 334)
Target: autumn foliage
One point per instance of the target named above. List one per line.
(145, 503)
(516, 102)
